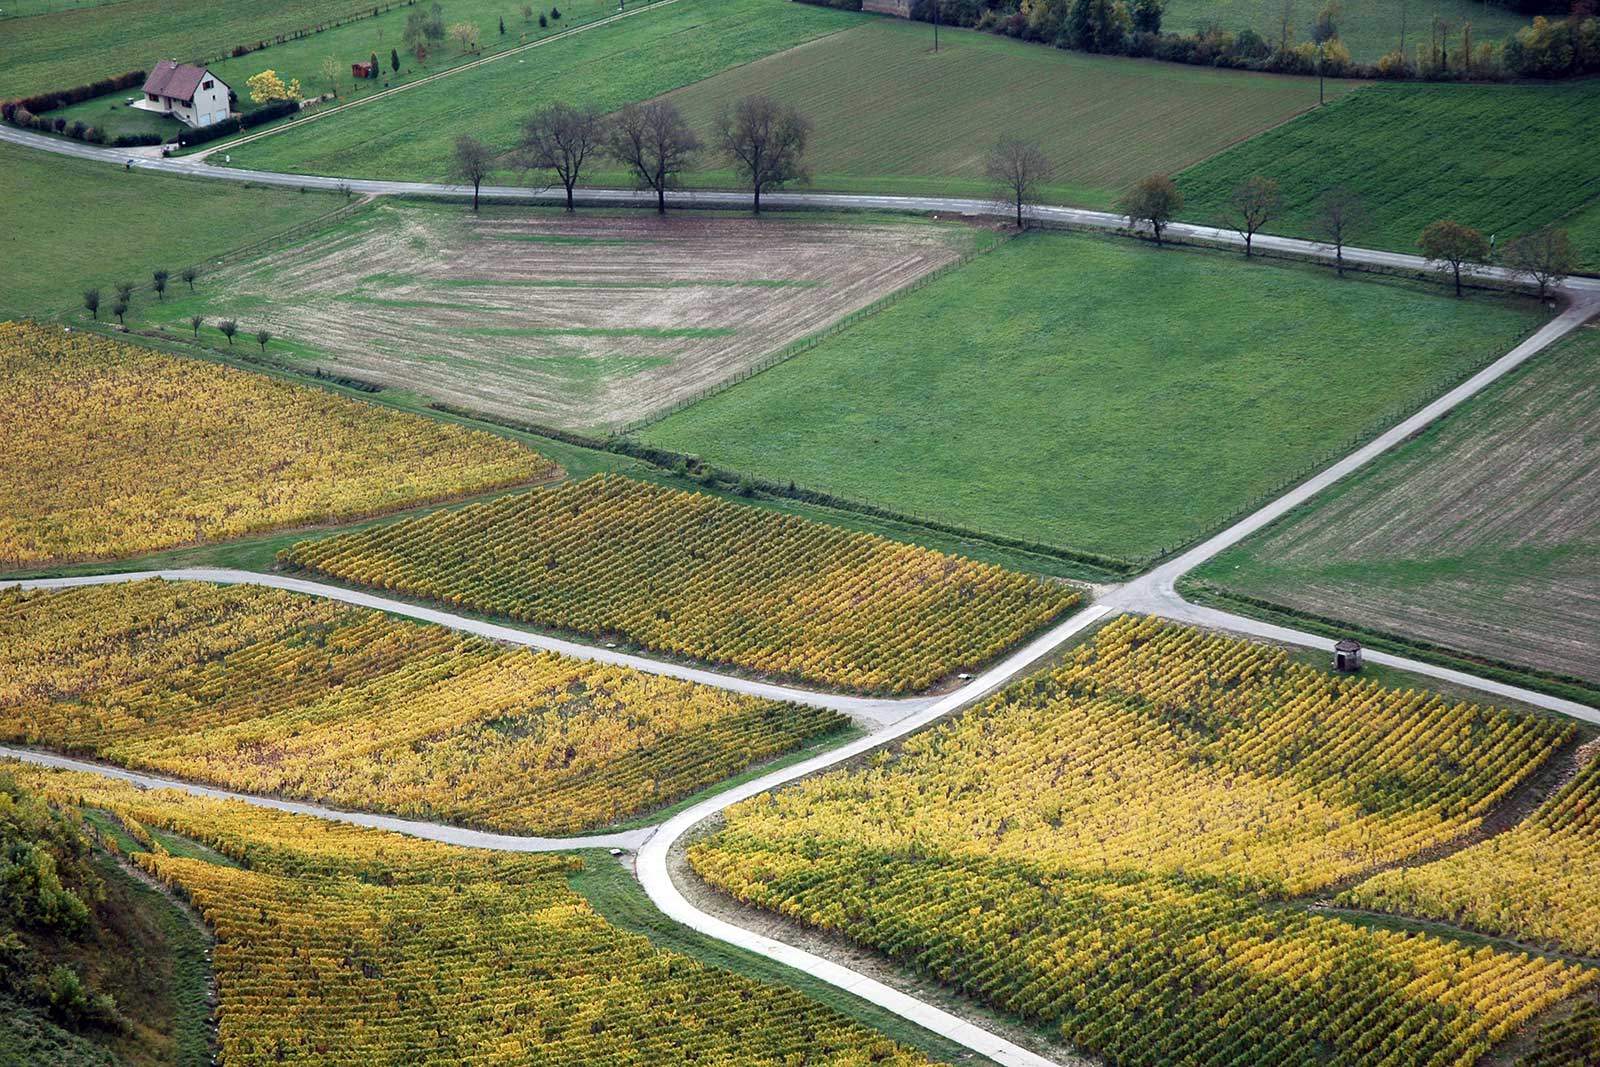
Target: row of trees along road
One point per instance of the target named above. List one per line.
(1544, 256)
(764, 140)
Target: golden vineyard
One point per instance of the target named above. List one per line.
(1121, 849)
(270, 692)
(126, 451)
(1538, 882)
(690, 575)
(339, 945)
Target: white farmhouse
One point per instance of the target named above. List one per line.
(191, 94)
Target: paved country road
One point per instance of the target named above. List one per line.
(450, 835)
(1152, 593)
(869, 712)
(1064, 216)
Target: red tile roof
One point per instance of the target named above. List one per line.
(177, 80)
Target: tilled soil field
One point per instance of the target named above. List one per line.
(586, 321)
(1482, 535)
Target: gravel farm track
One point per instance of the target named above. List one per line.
(1152, 593)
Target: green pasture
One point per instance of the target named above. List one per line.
(1503, 158)
(72, 224)
(1098, 394)
(893, 116)
(644, 55)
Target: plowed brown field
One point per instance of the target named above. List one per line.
(585, 321)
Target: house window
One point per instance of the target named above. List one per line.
(205, 85)
(153, 98)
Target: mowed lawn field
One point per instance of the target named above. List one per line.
(1482, 535)
(1095, 393)
(892, 116)
(589, 320)
(411, 136)
(1503, 158)
(1369, 28)
(302, 58)
(67, 44)
(71, 224)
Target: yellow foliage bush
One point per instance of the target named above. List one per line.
(114, 451)
(269, 692)
(691, 575)
(337, 945)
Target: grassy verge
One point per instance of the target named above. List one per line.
(1203, 592)
(1085, 392)
(621, 900)
(1505, 159)
(73, 223)
(652, 818)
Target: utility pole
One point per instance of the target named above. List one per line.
(936, 25)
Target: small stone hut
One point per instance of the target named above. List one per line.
(1347, 656)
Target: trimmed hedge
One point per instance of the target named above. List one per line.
(264, 114)
(42, 102)
(747, 485)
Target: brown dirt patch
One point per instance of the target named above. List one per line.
(586, 321)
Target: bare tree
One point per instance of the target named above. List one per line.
(158, 282)
(1254, 201)
(1016, 167)
(562, 138)
(195, 322)
(1454, 245)
(189, 275)
(228, 328)
(653, 142)
(91, 302)
(473, 159)
(1340, 216)
(766, 141)
(1546, 256)
(119, 309)
(330, 70)
(1153, 200)
(125, 291)
(263, 335)
(466, 35)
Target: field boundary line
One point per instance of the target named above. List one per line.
(298, 121)
(442, 832)
(810, 340)
(869, 712)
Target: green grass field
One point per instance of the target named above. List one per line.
(1505, 159)
(1369, 28)
(1480, 536)
(893, 116)
(71, 224)
(410, 136)
(75, 43)
(1097, 394)
(353, 42)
